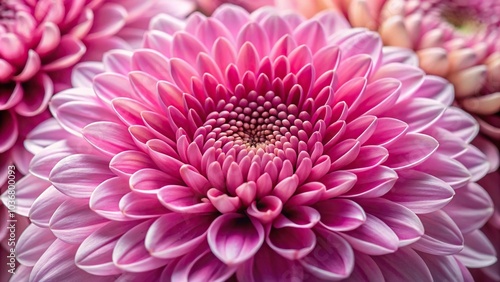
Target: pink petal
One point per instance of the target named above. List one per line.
(470, 208)
(57, 264)
(28, 189)
(95, 253)
(340, 214)
(32, 244)
(373, 183)
(267, 265)
(106, 197)
(200, 265)
(141, 206)
(420, 192)
(268, 208)
(234, 238)
(445, 168)
(442, 268)
(337, 183)
(183, 200)
(292, 243)
(405, 265)
(108, 86)
(478, 250)
(108, 20)
(411, 150)
(129, 162)
(365, 269)
(297, 217)
(442, 236)
(84, 73)
(37, 93)
(173, 235)
(411, 77)
(401, 220)
(69, 51)
(78, 175)
(130, 253)
(73, 221)
(45, 205)
(117, 137)
(336, 260)
(149, 180)
(418, 113)
(374, 237)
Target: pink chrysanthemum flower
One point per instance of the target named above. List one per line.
(259, 147)
(40, 41)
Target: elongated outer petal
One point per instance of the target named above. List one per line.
(291, 243)
(442, 268)
(267, 265)
(78, 175)
(173, 235)
(365, 269)
(420, 192)
(478, 250)
(45, 205)
(405, 265)
(470, 208)
(400, 219)
(32, 244)
(73, 221)
(57, 264)
(200, 265)
(340, 214)
(94, 255)
(130, 253)
(331, 259)
(442, 236)
(234, 239)
(374, 237)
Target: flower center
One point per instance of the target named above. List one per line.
(462, 20)
(254, 122)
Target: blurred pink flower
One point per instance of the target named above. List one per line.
(259, 147)
(40, 42)
(209, 6)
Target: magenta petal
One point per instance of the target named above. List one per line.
(373, 183)
(267, 209)
(108, 137)
(32, 244)
(45, 205)
(28, 189)
(420, 192)
(373, 237)
(337, 183)
(411, 150)
(200, 265)
(291, 243)
(57, 264)
(478, 250)
(234, 238)
(401, 220)
(403, 265)
(470, 208)
(95, 253)
(73, 221)
(108, 20)
(336, 260)
(173, 235)
(267, 265)
(130, 253)
(183, 200)
(441, 237)
(297, 217)
(69, 51)
(149, 180)
(442, 268)
(141, 206)
(78, 175)
(36, 96)
(129, 162)
(340, 214)
(106, 197)
(365, 269)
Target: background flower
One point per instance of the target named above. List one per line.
(209, 6)
(256, 147)
(40, 43)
